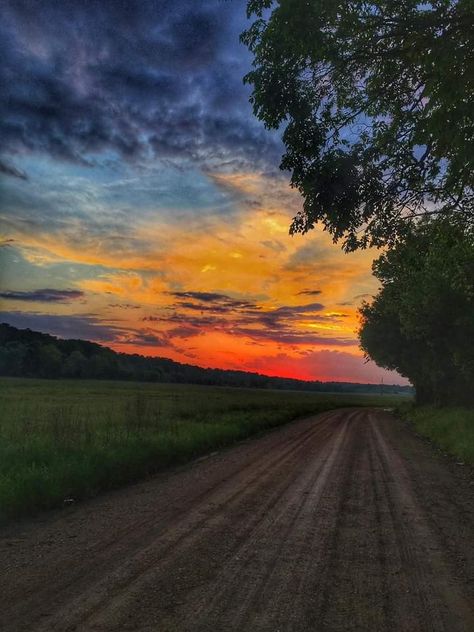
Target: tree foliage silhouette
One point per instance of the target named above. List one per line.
(377, 103)
(422, 321)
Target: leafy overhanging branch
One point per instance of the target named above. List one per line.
(376, 100)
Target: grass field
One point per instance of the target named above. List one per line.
(452, 429)
(72, 439)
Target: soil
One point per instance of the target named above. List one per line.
(345, 521)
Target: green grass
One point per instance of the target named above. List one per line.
(452, 429)
(61, 439)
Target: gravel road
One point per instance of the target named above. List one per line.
(345, 521)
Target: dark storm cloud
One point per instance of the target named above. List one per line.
(43, 296)
(138, 79)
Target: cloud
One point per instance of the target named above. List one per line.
(123, 306)
(147, 172)
(188, 326)
(144, 339)
(207, 297)
(285, 335)
(152, 78)
(88, 327)
(274, 245)
(43, 296)
(294, 325)
(287, 311)
(222, 302)
(308, 256)
(10, 170)
(182, 332)
(310, 292)
(213, 302)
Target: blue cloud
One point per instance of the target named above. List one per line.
(43, 296)
(135, 79)
(86, 327)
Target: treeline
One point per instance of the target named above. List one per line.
(421, 323)
(26, 353)
(374, 102)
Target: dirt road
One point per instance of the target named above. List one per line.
(346, 521)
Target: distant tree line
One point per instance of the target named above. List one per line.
(26, 353)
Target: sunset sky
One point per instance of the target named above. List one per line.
(141, 202)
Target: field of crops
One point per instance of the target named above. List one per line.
(71, 439)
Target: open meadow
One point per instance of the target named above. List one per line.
(71, 439)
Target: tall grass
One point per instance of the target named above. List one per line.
(452, 429)
(71, 439)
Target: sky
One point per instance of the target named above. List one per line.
(141, 202)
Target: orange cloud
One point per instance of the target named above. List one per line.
(247, 256)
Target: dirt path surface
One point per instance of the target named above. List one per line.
(346, 521)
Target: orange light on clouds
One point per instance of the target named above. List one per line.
(232, 290)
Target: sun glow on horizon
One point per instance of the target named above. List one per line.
(236, 293)
(142, 205)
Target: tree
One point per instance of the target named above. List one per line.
(75, 365)
(49, 360)
(102, 365)
(12, 357)
(422, 321)
(377, 103)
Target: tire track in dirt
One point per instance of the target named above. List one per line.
(331, 524)
(432, 591)
(176, 542)
(276, 529)
(217, 497)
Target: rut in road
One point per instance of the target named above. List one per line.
(345, 521)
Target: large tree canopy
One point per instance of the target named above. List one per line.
(422, 321)
(377, 103)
